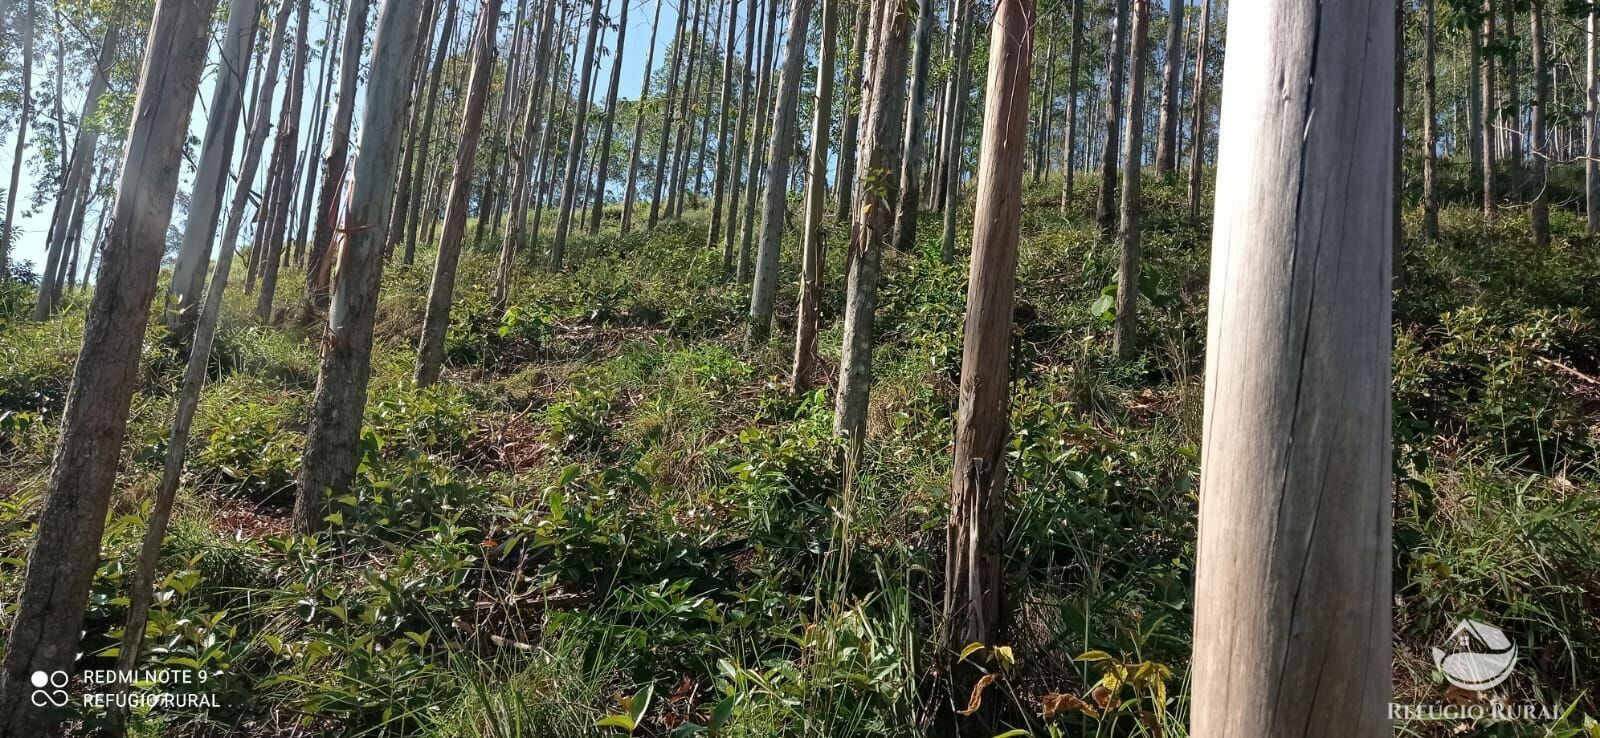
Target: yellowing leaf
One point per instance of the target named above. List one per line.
(976, 700)
(971, 648)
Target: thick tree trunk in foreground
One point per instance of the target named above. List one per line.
(812, 255)
(436, 322)
(1127, 326)
(336, 412)
(775, 203)
(873, 223)
(1292, 614)
(1172, 76)
(211, 176)
(1202, 114)
(66, 547)
(973, 537)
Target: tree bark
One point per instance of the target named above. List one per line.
(1541, 98)
(338, 153)
(873, 223)
(334, 434)
(802, 376)
(975, 532)
(752, 183)
(425, 140)
(854, 99)
(950, 190)
(66, 546)
(631, 188)
(1106, 205)
(1292, 614)
(580, 121)
(1171, 91)
(720, 184)
(436, 321)
(741, 138)
(1430, 125)
(597, 208)
(905, 212)
(657, 186)
(1069, 160)
(23, 116)
(1126, 339)
(522, 171)
(1489, 111)
(1202, 113)
(1591, 124)
(775, 204)
(288, 144)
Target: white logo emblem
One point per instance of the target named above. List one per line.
(1483, 656)
(48, 689)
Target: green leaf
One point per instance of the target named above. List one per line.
(971, 648)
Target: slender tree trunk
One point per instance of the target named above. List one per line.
(338, 153)
(23, 116)
(1069, 160)
(975, 532)
(1489, 111)
(525, 161)
(950, 190)
(66, 547)
(1106, 206)
(854, 100)
(425, 140)
(741, 138)
(630, 190)
(1397, 179)
(1292, 614)
(436, 321)
(1591, 123)
(775, 204)
(657, 187)
(405, 190)
(688, 90)
(905, 214)
(580, 120)
(1041, 132)
(1127, 324)
(752, 184)
(597, 208)
(332, 440)
(1541, 97)
(720, 184)
(813, 254)
(872, 225)
(1430, 126)
(1202, 112)
(1171, 92)
(1511, 117)
(319, 127)
(288, 143)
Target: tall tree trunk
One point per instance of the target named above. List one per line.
(1490, 111)
(1106, 206)
(1292, 615)
(688, 90)
(775, 204)
(657, 187)
(525, 160)
(1046, 104)
(332, 439)
(976, 532)
(580, 121)
(630, 190)
(1171, 92)
(1126, 338)
(752, 184)
(854, 100)
(955, 144)
(1069, 160)
(338, 153)
(720, 184)
(66, 546)
(1430, 125)
(288, 143)
(406, 188)
(1202, 113)
(436, 321)
(425, 139)
(1591, 123)
(1511, 116)
(905, 213)
(741, 138)
(23, 116)
(813, 255)
(79, 165)
(1541, 97)
(597, 208)
(873, 223)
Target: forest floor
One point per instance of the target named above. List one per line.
(612, 518)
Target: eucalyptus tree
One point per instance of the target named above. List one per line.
(284, 154)
(719, 182)
(849, 126)
(1106, 204)
(430, 108)
(334, 161)
(49, 611)
(812, 254)
(741, 138)
(630, 188)
(211, 175)
(436, 320)
(27, 32)
(580, 120)
(753, 164)
(1292, 613)
(332, 439)
(905, 212)
(775, 202)
(1127, 324)
(1591, 121)
(658, 183)
(524, 160)
(975, 530)
(608, 123)
(1201, 112)
(1171, 91)
(872, 224)
(1430, 126)
(954, 138)
(1540, 215)
(1069, 161)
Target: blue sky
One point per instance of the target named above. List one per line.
(33, 224)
